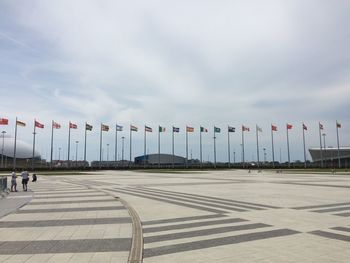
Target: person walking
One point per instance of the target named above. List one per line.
(25, 179)
(13, 182)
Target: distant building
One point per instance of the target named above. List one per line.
(330, 155)
(164, 159)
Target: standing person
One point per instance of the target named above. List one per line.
(13, 182)
(25, 179)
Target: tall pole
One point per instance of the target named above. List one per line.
(107, 152)
(228, 147)
(273, 149)
(288, 146)
(116, 145)
(257, 144)
(130, 145)
(2, 148)
(51, 145)
(144, 148)
(186, 148)
(85, 145)
(101, 145)
(200, 146)
(321, 153)
(214, 148)
(59, 153)
(123, 149)
(243, 161)
(173, 148)
(304, 146)
(15, 147)
(76, 153)
(34, 133)
(339, 164)
(68, 146)
(159, 147)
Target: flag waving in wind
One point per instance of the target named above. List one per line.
(104, 127)
(217, 130)
(245, 128)
(73, 125)
(202, 129)
(189, 129)
(148, 129)
(273, 127)
(39, 125)
(175, 129)
(4, 121)
(56, 125)
(88, 127)
(21, 123)
(231, 129)
(320, 126)
(259, 129)
(119, 128)
(133, 128)
(161, 129)
(304, 127)
(289, 126)
(338, 125)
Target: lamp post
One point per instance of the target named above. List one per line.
(2, 148)
(123, 150)
(76, 153)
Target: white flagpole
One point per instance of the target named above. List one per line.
(257, 144)
(273, 149)
(288, 146)
(101, 146)
(173, 148)
(339, 164)
(85, 145)
(304, 146)
(186, 148)
(200, 145)
(321, 149)
(214, 148)
(159, 146)
(15, 147)
(34, 133)
(243, 160)
(68, 145)
(51, 154)
(144, 148)
(228, 146)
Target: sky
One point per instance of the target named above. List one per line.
(176, 63)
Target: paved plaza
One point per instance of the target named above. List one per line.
(199, 216)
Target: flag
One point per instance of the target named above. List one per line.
(56, 125)
(73, 126)
(119, 128)
(20, 123)
(176, 129)
(320, 126)
(104, 127)
(148, 129)
(4, 121)
(289, 126)
(338, 125)
(304, 127)
(258, 128)
(161, 129)
(231, 129)
(217, 130)
(245, 128)
(273, 127)
(39, 125)
(189, 129)
(88, 127)
(133, 128)
(203, 129)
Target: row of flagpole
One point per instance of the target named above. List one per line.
(161, 129)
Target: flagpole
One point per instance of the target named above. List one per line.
(288, 146)
(243, 161)
(68, 145)
(273, 149)
(186, 148)
(200, 145)
(214, 148)
(257, 144)
(130, 146)
(158, 146)
(144, 148)
(304, 146)
(173, 148)
(228, 147)
(321, 149)
(116, 145)
(339, 165)
(51, 145)
(33, 145)
(15, 147)
(85, 134)
(101, 146)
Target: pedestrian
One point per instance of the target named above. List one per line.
(34, 178)
(13, 182)
(25, 179)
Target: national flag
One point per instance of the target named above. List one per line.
(4, 121)
(39, 125)
(203, 129)
(175, 129)
(231, 129)
(338, 125)
(119, 128)
(148, 129)
(217, 130)
(88, 127)
(273, 127)
(320, 126)
(258, 129)
(289, 126)
(189, 129)
(161, 129)
(304, 127)
(133, 128)
(245, 128)
(56, 125)
(73, 125)
(104, 127)
(20, 123)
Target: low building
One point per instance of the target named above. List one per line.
(330, 155)
(163, 159)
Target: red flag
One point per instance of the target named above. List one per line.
(73, 126)
(245, 128)
(4, 121)
(304, 127)
(320, 126)
(39, 125)
(273, 127)
(56, 125)
(289, 126)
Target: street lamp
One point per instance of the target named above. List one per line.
(2, 148)
(76, 153)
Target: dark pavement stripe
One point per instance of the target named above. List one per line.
(194, 224)
(171, 202)
(152, 252)
(218, 199)
(332, 209)
(65, 246)
(65, 222)
(319, 185)
(204, 232)
(64, 193)
(188, 200)
(343, 214)
(72, 202)
(67, 196)
(331, 235)
(319, 206)
(76, 209)
(340, 228)
(180, 219)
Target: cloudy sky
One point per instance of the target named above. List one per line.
(177, 63)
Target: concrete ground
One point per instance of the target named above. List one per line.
(221, 216)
